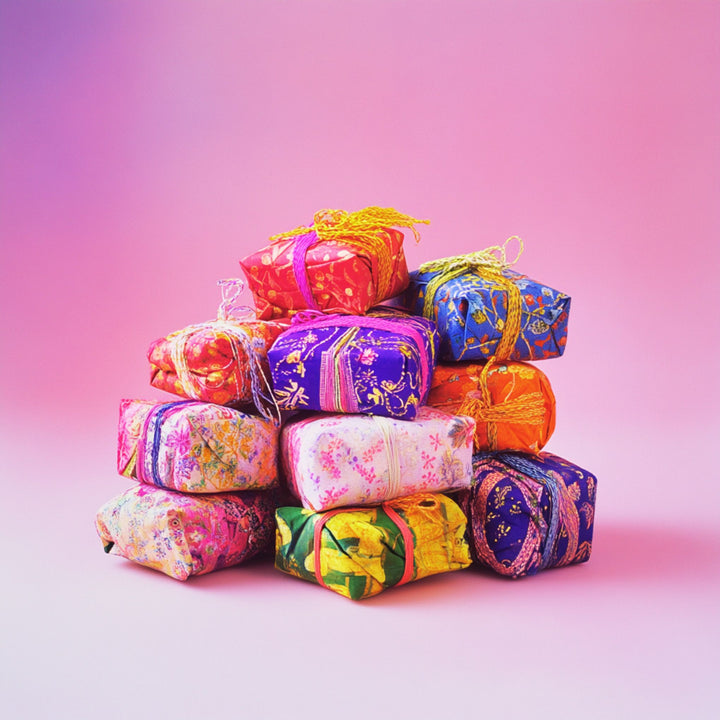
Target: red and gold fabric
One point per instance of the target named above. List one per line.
(342, 263)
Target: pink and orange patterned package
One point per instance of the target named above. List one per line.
(183, 535)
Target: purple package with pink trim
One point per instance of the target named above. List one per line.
(377, 364)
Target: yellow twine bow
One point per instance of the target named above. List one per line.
(494, 256)
(492, 260)
(489, 265)
(528, 408)
(362, 229)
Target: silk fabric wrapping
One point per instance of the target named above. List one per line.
(219, 366)
(327, 365)
(363, 551)
(335, 460)
(340, 277)
(470, 312)
(196, 447)
(519, 525)
(183, 535)
(523, 403)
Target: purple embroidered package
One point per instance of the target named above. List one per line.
(528, 512)
(377, 364)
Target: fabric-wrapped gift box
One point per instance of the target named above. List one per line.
(342, 263)
(527, 513)
(334, 460)
(359, 552)
(484, 309)
(196, 447)
(183, 535)
(220, 361)
(520, 414)
(380, 363)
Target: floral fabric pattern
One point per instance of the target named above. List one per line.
(196, 447)
(470, 312)
(359, 369)
(359, 552)
(183, 535)
(341, 277)
(335, 460)
(529, 512)
(522, 407)
(215, 366)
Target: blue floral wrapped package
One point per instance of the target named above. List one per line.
(485, 311)
(527, 512)
(377, 364)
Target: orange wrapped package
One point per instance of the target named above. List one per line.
(515, 412)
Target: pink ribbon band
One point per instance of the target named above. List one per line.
(302, 244)
(393, 515)
(308, 320)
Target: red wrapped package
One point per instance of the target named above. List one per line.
(342, 263)
(222, 361)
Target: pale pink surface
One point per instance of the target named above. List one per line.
(146, 147)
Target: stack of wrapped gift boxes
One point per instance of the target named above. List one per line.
(380, 426)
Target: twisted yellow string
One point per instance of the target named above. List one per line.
(491, 260)
(487, 264)
(528, 408)
(361, 229)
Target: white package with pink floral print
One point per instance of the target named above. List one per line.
(338, 460)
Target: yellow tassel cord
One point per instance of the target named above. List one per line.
(489, 264)
(361, 229)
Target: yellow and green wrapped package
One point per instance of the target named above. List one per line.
(360, 551)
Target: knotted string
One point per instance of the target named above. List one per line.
(489, 265)
(528, 408)
(362, 229)
(230, 309)
(227, 326)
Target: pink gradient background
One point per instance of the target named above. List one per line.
(146, 147)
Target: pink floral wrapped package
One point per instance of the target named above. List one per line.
(183, 535)
(337, 460)
(196, 447)
(381, 363)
